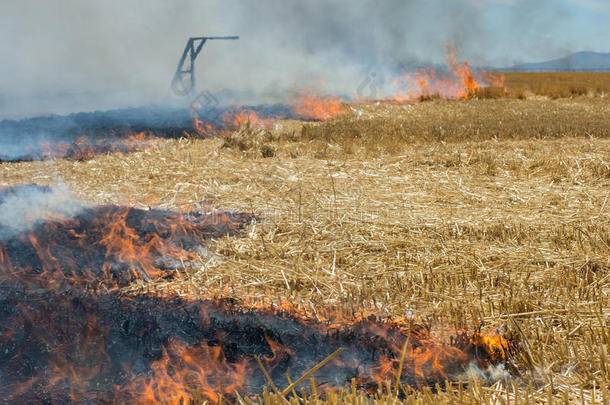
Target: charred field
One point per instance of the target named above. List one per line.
(455, 250)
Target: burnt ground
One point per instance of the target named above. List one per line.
(108, 245)
(103, 347)
(54, 136)
(69, 335)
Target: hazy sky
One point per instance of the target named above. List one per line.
(131, 47)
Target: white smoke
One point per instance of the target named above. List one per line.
(492, 374)
(25, 206)
(69, 55)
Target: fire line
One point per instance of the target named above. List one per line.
(69, 334)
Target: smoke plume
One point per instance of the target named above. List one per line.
(65, 55)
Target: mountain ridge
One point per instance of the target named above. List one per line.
(585, 61)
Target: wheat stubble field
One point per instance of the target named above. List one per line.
(472, 213)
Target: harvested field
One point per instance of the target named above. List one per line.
(559, 84)
(455, 213)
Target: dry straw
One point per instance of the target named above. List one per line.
(456, 213)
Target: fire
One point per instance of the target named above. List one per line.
(495, 80)
(236, 118)
(458, 82)
(231, 120)
(461, 70)
(311, 105)
(85, 341)
(307, 104)
(496, 345)
(200, 127)
(184, 370)
(85, 148)
(209, 371)
(111, 246)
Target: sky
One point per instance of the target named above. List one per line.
(104, 53)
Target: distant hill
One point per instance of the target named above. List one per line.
(579, 61)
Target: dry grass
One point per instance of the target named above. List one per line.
(386, 129)
(462, 213)
(559, 84)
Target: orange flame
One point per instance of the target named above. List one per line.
(312, 105)
(235, 119)
(458, 83)
(232, 120)
(184, 370)
(118, 240)
(202, 366)
(84, 148)
(201, 128)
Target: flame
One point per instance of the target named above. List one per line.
(185, 370)
(236, 118)
(496, 345)
(113, 245)
(84, 148)
(309, 104)
(496, 80)
(461, 70)
(280, 352)
(183, 347)
(459, 82)
(201, 369)
(231, 120)
(200, 127)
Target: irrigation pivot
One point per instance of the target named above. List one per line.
(183, 82)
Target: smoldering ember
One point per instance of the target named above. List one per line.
(322, 202)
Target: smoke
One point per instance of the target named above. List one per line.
(492, 374)
(22, 207)
(66, 55)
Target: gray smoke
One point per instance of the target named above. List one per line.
(492, 374)
(66, 55)
(23, 207)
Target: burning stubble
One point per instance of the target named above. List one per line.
(70, 335)
(96, 344)
(108, 347)
(68, 243)
(84, 136)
